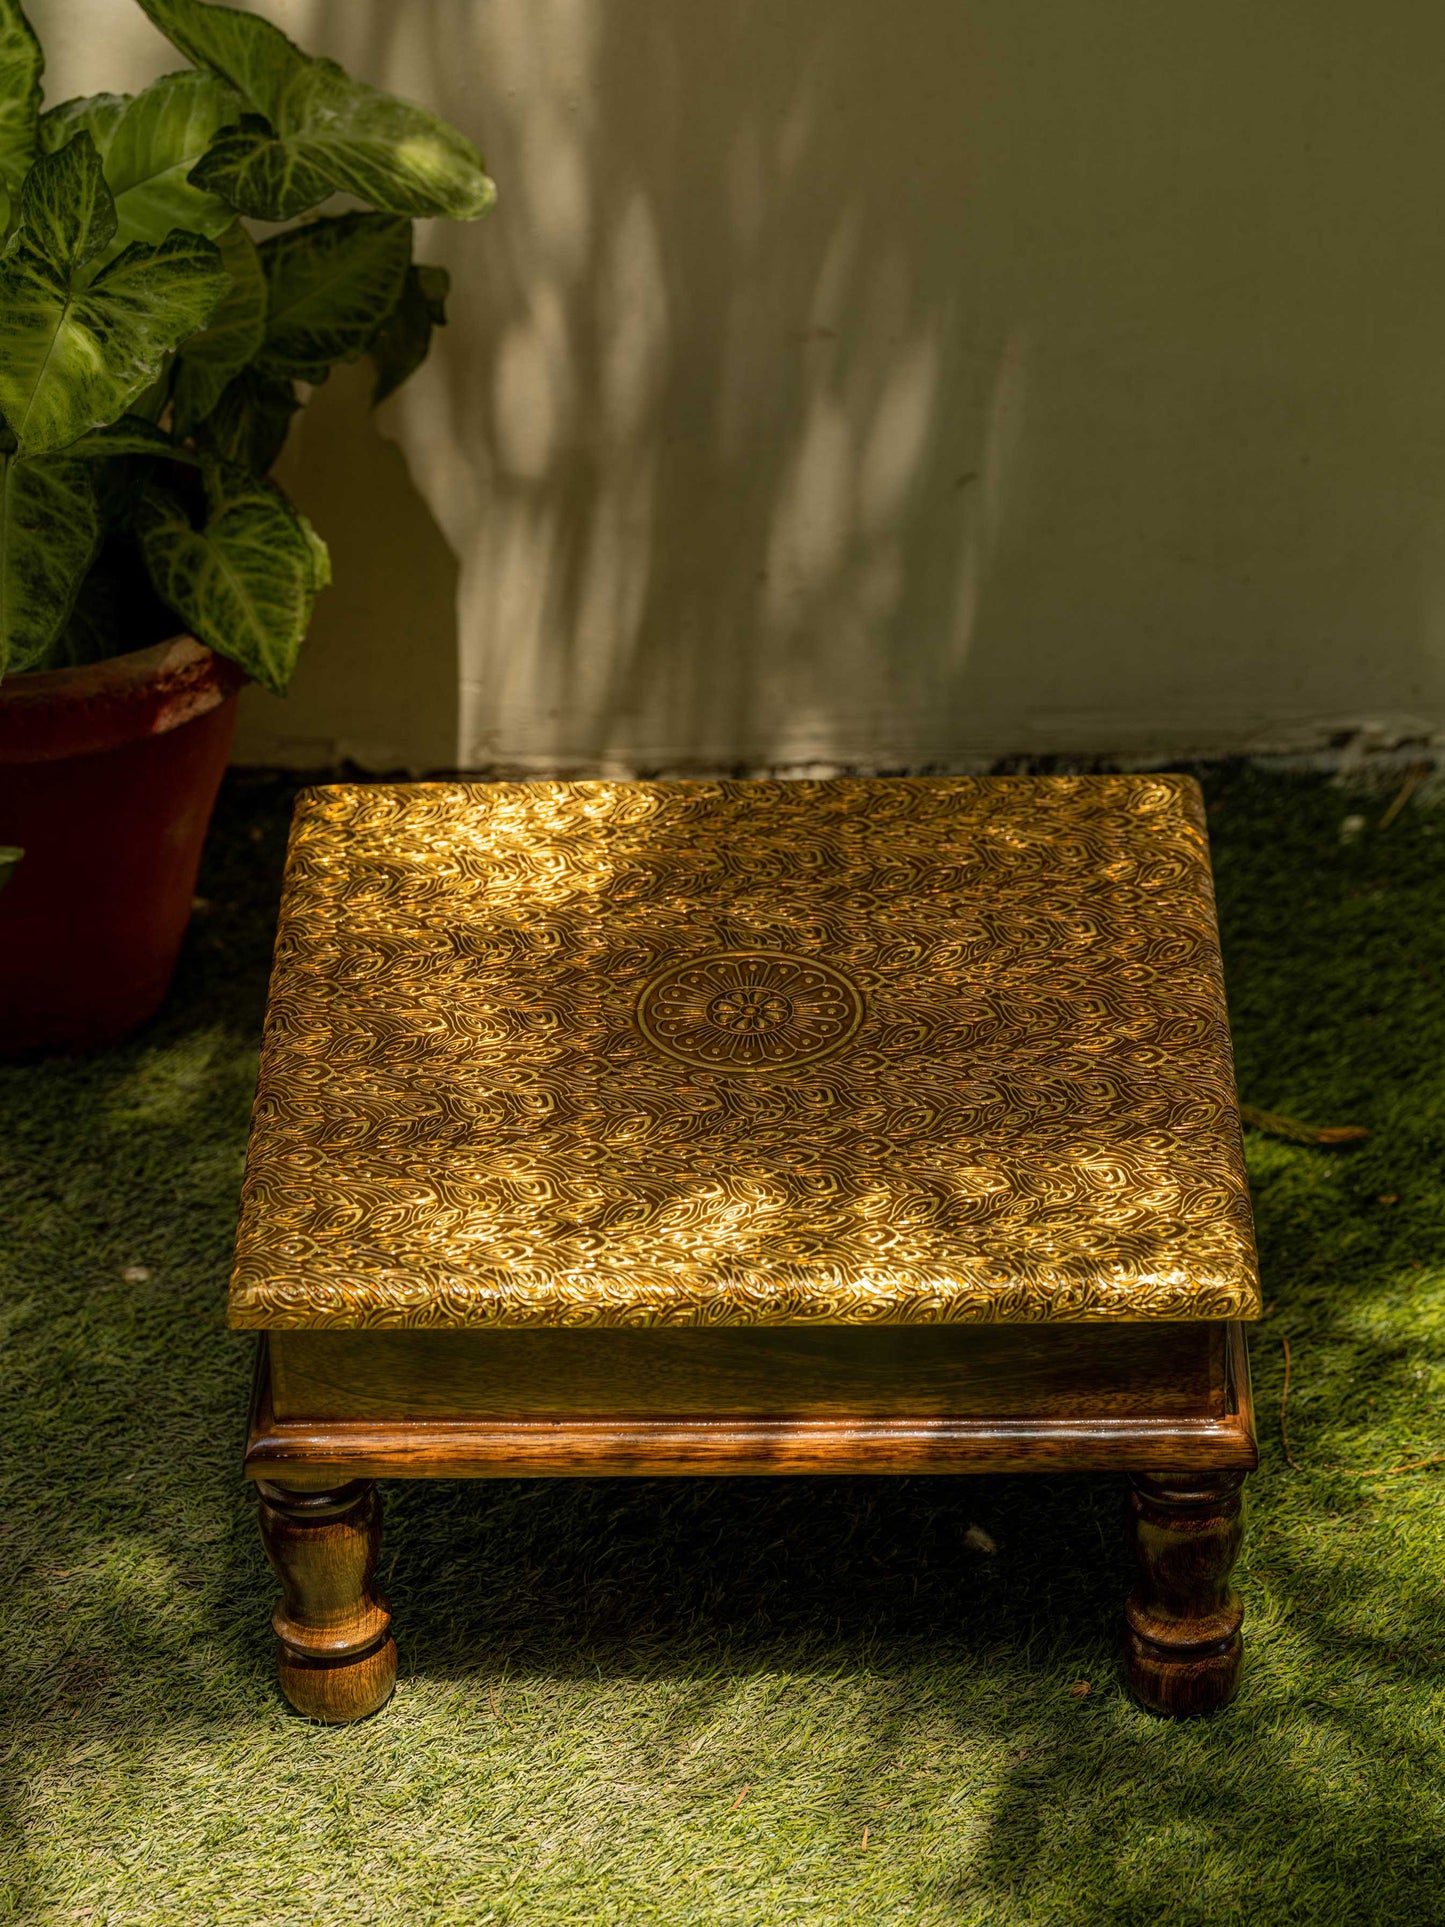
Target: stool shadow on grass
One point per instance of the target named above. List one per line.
(632, 1574)
(732, 1615)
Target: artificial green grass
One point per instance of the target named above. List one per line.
(592, 1673)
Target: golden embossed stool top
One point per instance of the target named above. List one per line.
(857, 1051)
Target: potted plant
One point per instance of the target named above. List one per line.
(152, 354)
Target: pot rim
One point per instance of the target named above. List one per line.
(46, 714)
(86, 679)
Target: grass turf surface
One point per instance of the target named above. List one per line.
(593, 1673)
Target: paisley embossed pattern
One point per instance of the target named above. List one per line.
(462, 1119)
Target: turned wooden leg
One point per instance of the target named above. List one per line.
(1181, 1644)
(334, 1652)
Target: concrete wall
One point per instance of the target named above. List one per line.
(849, 383)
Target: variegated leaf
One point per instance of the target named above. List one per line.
(255, 57)
(49, 531)
(350, 138)
(95, 114)
(73, 359)
(21, 66)
(330, 285)
(67, 212)
(249, 424)
(131, 435)
(246, 582)
(230, 338)
(155, 145)
(312, 130)
(402, 344)
(96, 626)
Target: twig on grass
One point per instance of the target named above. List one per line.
(1352, 1471)
(1327, 1136)
(1413, 777)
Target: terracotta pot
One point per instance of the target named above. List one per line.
(108, 776)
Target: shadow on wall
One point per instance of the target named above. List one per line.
(706, 427)
(851, 385)
(377, 680)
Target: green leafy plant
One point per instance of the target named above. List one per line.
(151, 348)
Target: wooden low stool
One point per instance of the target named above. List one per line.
(861, 1126)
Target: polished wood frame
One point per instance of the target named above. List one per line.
(1176, 1415)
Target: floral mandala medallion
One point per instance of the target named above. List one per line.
(750, 1010)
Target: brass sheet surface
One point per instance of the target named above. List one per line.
(888, 1050)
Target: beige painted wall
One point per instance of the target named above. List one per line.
(888, 384)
